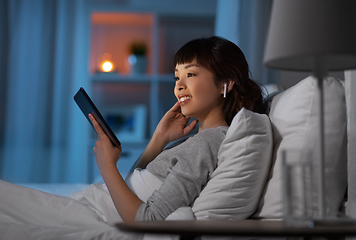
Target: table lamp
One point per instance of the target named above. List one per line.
(317, 36)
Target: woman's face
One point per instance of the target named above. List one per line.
(197, 92)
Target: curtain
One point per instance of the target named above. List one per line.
(245, 22)
(43, 62)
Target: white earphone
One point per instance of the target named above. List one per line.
(225, 89)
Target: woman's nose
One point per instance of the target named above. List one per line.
(180, 88)
(180, 85)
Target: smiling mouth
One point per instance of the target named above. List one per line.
(184, 99)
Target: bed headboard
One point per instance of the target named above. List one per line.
(350, 94)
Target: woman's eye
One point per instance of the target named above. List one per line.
(176, 78)
(190, 74)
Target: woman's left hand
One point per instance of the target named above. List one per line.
(106, 155)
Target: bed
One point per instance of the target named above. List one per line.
(251, 190)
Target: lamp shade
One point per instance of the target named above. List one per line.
(302, 30)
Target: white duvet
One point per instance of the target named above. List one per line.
(89, 214)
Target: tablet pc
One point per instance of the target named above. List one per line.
(87, 106)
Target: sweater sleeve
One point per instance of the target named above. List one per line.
(187, 168)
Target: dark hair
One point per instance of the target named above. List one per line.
(227, 62)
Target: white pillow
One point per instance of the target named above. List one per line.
(295, 122)
(244, 160)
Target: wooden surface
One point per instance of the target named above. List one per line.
(264, 228)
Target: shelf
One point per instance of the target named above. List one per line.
(134, 78)
(114, 33)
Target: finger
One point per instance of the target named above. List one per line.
(96, 125)
(190, 127)
(176, 107)
(93, 121)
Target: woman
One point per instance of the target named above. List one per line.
(212, 85)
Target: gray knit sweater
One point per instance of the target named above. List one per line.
(184, 171)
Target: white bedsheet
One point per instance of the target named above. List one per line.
(31, 214)
(27, 213)
(143, 183)
(61, 189)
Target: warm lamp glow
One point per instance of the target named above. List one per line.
(107, 66)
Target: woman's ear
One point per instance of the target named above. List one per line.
(230, 85)
(227, 87)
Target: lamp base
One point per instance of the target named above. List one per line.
(320, 71)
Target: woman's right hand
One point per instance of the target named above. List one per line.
(173, 125)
